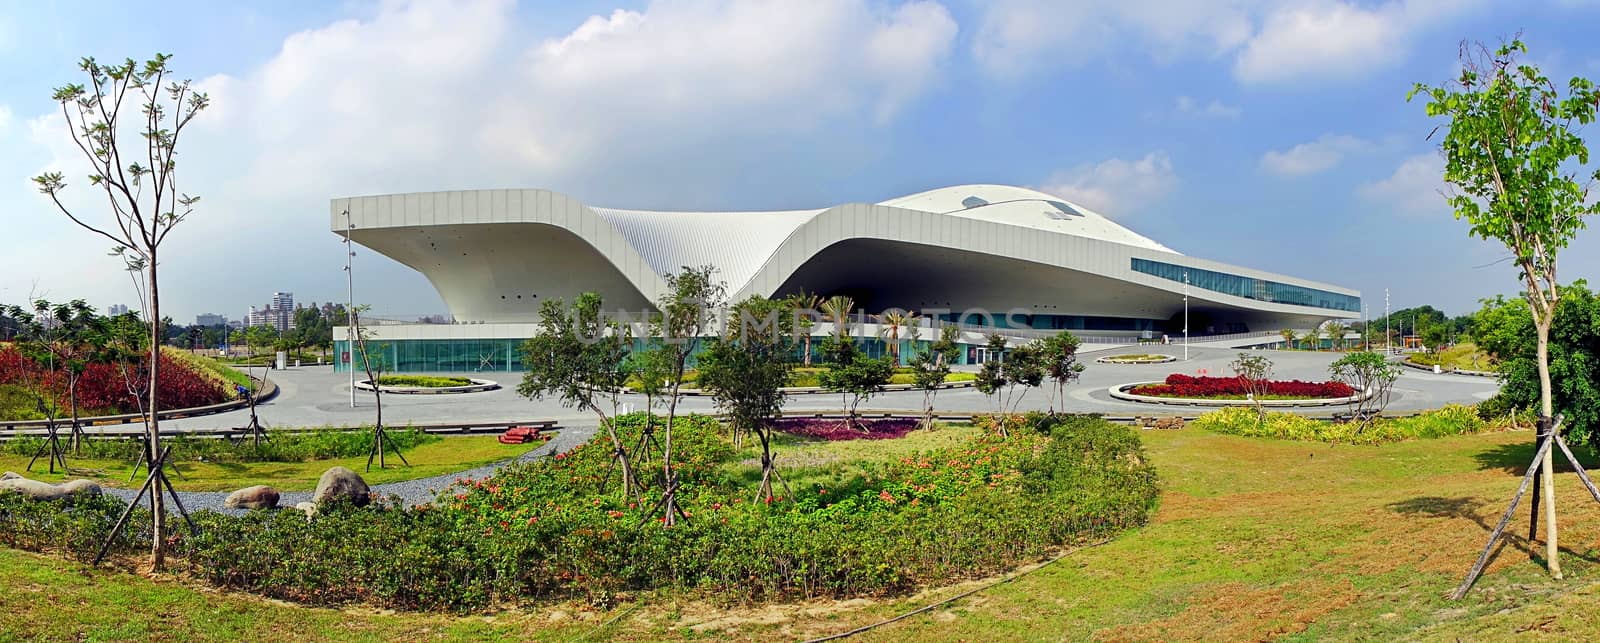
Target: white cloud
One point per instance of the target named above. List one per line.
(1333, 39)
(1017, 36)
(1269, 42)
(1416, 187)
(715, 70)
(1313, 157)
(1115, 186)
(1213, 109)
(664, 105)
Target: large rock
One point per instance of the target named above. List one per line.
(80, 488)
(32, 489)
(258, 497)
(340, 483)
(9, 475)
(308, 508)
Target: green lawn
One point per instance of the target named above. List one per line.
(1461, 356)
(1255, 539)
(454, 453)
(804, 461)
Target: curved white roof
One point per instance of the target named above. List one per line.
(492, 254)
(737, 243)
(1023, 207)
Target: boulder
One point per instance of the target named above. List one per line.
(257, 497)
(32, 489)
(80, 488)
(310, 509)
(9, 475)
(341, 483)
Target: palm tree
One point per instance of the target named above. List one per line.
(837, 309)
(1336, 331)
(889, 325)
(810, 303)
(1312, 339)
(1288, 337)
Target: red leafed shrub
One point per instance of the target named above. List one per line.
(833, 430)
(1180, 385)
(104, 385)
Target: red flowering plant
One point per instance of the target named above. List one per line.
(1180, 385)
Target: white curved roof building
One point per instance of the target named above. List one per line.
(494, 255)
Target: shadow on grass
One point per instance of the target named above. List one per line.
(1468, 508)
(1514, 458)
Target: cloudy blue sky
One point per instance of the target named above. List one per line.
(1268, 134)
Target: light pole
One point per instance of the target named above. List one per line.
(350, 313)
(1185, 315)
(1386, 349)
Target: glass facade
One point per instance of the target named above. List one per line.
(504, 355)
(436, 355)
(1249, 287)
(1042, 321)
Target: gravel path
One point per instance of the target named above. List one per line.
(410, 491)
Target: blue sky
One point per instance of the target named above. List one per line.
(1266, 134)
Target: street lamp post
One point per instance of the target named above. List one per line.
(1186, 316)
(350, 313)
(1386, 348)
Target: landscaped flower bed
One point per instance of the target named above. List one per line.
(423, 381)
(103, 386)
(1139, 358)
(834, 429)
(1232, 388)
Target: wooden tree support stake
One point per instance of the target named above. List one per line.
(158, 480)
(1551, 440)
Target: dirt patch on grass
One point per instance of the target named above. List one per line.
(1237, 612)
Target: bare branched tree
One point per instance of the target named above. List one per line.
(127, 121)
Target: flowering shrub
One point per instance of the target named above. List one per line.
(834, 430)
(1451, 419)
(103, 388)
(1180, 385)
(546, 530)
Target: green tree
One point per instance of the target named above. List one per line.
(1335, 332)
(1504, 329)
(67, 337)
(1372, 376)
(1288, 336)
(892, 325)
(746, 369)
(853, 375)
(930, 368)
(1023, 368)
(1435, 336)
(1059, 356)
(836, 310)
(1254, 372)
(137, 175)
(685, 313)
(991, 379)
(580, 358)
(1514, 152)
(805, 306)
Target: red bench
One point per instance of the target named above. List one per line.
(522, 435)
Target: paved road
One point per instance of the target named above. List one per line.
(316, 396)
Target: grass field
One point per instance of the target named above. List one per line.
(1461, 356)
(1255, 539)
(435, 458)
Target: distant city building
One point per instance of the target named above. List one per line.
(210, 319)
(116, 309)
(279, 313)
(283, 310)
(434, 319)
